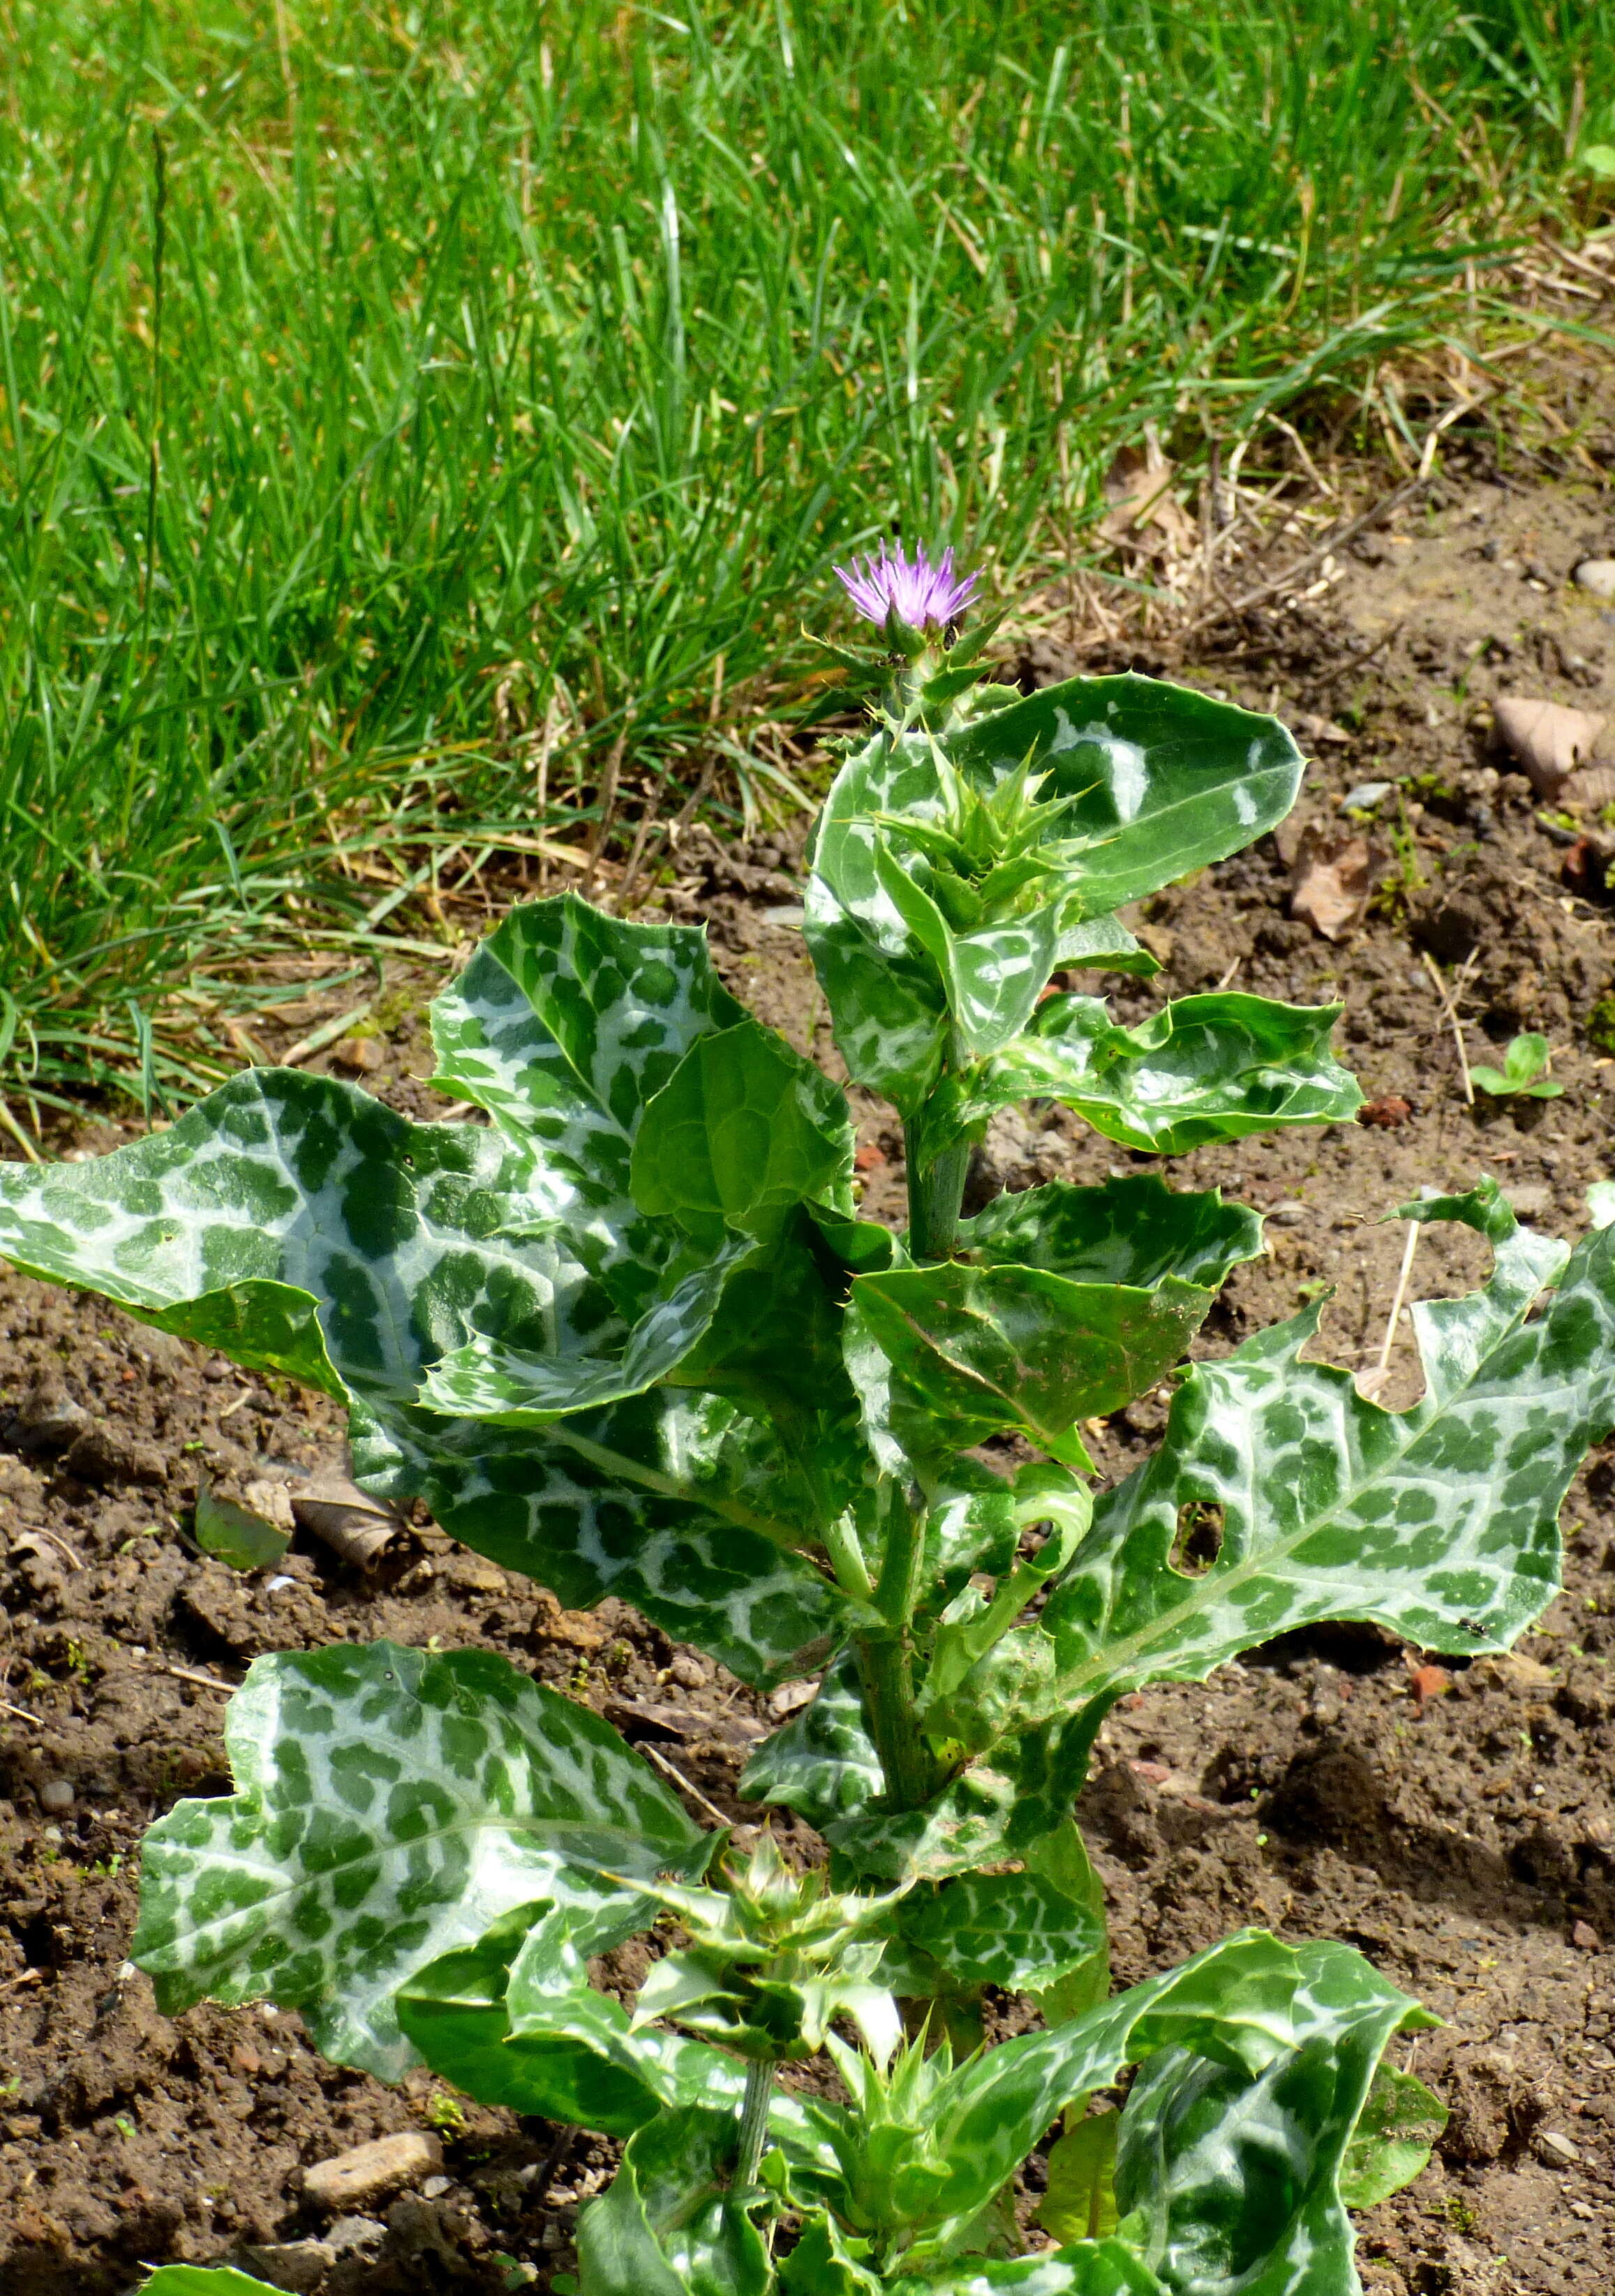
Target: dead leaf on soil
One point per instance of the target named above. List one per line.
(1320, 730)
(1331, 878)
(1591, 789)
(1526, 1677)
(351, 1523)
(1547, 739)
(1138, 488)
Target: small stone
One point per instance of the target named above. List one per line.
(1585, 1938)
(55, 1794)
(369, 2169)
(161, 1350)
(1366, 796)
(351, 2232)
(363, 1054)
(105, 1454)
(1530, 1200)
(1557, 2151)
(297, 2266)
(1596, 575)
(1386, 1113)
(1288, 1213)
(48, 1417)
(434, 2188)
(690, 1673)
(246, 2060)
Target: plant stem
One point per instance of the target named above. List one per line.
(935, 1192)
(885, 1670)
(754, 2124)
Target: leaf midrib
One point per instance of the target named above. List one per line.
(1093, 1673)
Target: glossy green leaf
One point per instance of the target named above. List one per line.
(390, 1806)
(1001, 1808)
(826, 2261)
(1235, 2176)
(237, 1535)
(1164, 779)
(1080, 2199)
(566, 1021)
(502, 1385)
(1144, 782)
(1395, 2134)
(681, 1503)
(1017, 1930)
(1135, 1231)
(667, 2225)
(920, 2152)
(993, 976)
(885, 995)
(203, 2280)
(742, 1130)
(1439, 1522)
(1523, 1071)
(970, 1352)
(1202, 1068)
(1100, 2268)
(822, 1763)
(512, 2021)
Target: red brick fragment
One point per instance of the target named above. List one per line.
(1428, 1681)
(1387, 1113)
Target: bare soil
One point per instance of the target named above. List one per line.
(1463, 1836)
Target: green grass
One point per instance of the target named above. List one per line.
(383, 384)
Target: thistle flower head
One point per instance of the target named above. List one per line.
(924, 594)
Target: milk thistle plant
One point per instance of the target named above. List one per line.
(633, 1337)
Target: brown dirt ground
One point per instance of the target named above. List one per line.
(1466, 1843)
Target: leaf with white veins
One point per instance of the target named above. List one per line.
(1439, 1522)
(390, 1807)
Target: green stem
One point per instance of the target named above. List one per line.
(886, 1658)
(754, 2124)
(886, 1671)
(935, 1192)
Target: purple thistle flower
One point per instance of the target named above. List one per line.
(922, 594)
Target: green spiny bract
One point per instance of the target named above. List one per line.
(634, 1338)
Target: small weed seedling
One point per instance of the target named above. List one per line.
(1523, 1074)
(633, 1337)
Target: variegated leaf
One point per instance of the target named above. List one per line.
(1017, 1930)
(976, 2122)
(1165, 779)
(1234, 2181)
(663, 1500)
(1439, 1522)
(390, 1807)
(1216, 1067)
(669, 2224)
(1158, 781)
(970, 1352)
(566, 1021)
(1135, 1231)
(822, 1763)
(500, 1385)
(743, 1130)
(512, 2021)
